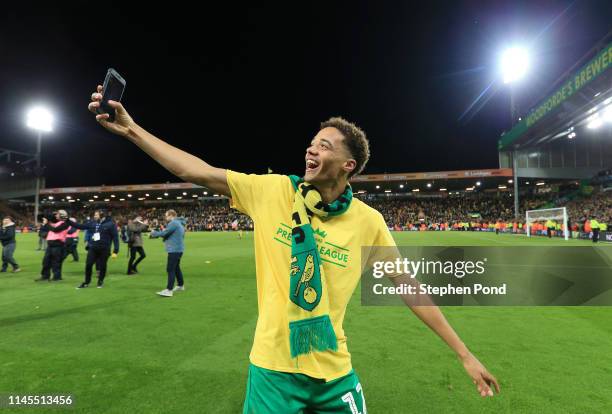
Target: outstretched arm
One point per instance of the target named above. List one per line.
(180, 163)
(88, 225)
(431, 315)
(170, 228)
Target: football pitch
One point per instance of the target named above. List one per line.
(123, 349)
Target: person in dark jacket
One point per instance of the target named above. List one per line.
(103, 232)
(56, 226)
(134, 235)
(7, 236)
(72, 243)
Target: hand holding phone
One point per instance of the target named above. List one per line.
(112, 90)
(105, 103)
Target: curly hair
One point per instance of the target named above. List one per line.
(354, 139)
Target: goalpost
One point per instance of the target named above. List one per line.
(557, 214)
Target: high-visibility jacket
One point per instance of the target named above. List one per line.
(61, 236)
(603, 227)
(594, 224)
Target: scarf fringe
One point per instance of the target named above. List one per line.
(313, 334)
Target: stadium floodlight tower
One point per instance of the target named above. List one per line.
(557, 214)
(41, 120)
(514, 66)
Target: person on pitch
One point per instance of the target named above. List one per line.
(299, 359)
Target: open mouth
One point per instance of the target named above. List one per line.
(311, 165)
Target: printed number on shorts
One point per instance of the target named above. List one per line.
(350, 400)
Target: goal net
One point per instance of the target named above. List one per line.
(558, 215)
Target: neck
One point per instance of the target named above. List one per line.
(330, 191)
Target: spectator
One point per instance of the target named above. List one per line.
(7, 236)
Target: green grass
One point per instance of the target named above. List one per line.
(122, 349)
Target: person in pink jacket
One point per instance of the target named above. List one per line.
(57, 225)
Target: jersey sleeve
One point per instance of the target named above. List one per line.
(383, 247)
(250, 193)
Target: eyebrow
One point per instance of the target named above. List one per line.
(328, 142)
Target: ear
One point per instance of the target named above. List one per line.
(349, 165)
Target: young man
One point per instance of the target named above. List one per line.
(173, 236)
(135, 228)
(7, 236)
(299, 360)
(103, 232)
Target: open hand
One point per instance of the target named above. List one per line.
(482, 378)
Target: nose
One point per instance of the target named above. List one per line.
(311, 150)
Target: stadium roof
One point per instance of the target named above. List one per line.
(579, 95)
(425, 183)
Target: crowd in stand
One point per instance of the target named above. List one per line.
(399, 213)
(207, 215)
(402, 213)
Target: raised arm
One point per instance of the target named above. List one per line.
(180, 163)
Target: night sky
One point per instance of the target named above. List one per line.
(246, 87)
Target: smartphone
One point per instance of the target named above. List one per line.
(112, 90)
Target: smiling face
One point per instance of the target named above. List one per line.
(327, 158)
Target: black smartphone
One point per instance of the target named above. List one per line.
(112, 90)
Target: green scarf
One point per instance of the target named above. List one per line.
(310, 327)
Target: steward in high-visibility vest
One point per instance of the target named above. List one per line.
(595, 229)
(550, 226)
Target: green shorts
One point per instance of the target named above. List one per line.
(271, 392)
